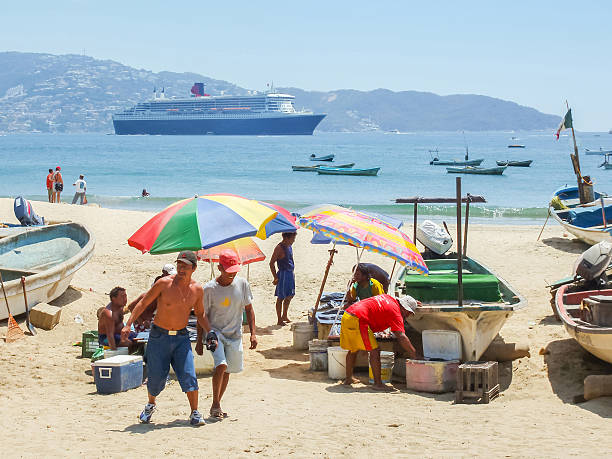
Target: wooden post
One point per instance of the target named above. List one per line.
(332, 252)
(465, 230)
(459, 254)
(603, 212)
(576, 164)
(414, 240)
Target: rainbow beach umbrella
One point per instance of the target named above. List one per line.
(364, 231)
(202, 222)
(246, 249)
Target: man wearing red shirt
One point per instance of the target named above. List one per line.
(361, 320)
(50, 185)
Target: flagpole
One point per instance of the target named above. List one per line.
(576, 163)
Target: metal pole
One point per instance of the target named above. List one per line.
(603, 212)
(459, 254)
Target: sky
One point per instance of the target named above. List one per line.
(534, 53)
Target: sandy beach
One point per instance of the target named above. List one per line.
(277, 407)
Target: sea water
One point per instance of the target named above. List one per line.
(118, 168)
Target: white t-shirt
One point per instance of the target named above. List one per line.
(224, 305)
(80, 185)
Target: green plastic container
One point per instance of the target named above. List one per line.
(89, 343)
(244, 318)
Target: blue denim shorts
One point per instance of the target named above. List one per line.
(164, 350)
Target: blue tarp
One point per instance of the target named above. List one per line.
(589, 217)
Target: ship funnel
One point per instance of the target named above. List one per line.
(197, 89)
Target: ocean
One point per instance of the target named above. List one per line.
(117, 168)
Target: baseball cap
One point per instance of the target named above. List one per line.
(58, 168)
(187, 256)
(229, 260)
(169, 268)
(408, 303)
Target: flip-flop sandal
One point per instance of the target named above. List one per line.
(218, 413)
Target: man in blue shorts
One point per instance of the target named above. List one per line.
(224, 300)
(177, 295)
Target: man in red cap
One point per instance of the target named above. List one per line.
(225, 298)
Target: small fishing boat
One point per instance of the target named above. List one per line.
(347, 171)
(477, 170)
(48, 257)
(488, 301)
(586, 222)
(453, 162)
(607, 164)
(569, 196)
(314, 168)
(322, 158)
(516, 146)
(599, 152)
(526, 163)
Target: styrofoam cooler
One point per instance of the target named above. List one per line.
(118, 373)
(431, 376)
(442, 345)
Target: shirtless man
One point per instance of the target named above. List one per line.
(145, 319)
(110, 321)
(177, 295)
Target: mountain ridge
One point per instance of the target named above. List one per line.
(42, 92)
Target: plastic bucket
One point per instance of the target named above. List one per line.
(302, 333)
(318, 354)
(336, 362)
(387, 359)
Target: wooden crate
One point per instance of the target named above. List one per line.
(477, 382)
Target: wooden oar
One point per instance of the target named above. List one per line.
(545, 222)
(27, 310)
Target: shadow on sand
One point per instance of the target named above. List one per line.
(567, 364)
(285, 353)
(566, 245)
(69, 296)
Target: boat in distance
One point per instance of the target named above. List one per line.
(525, 163)
(314, 168)
(516, 146)
(260, 114)
(322, 158)
(499, 170)
(453, 162)
(347, 171)
(47, 257)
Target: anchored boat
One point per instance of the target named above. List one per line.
(48, 257)
(526, 163)
(322, 158)
(347, 171)
(314, 168)
(453, 162)
(477, 170)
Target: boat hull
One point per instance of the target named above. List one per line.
(278, 125)
(42, 285)
(347, 171)
(478, 323)
(515, 163)
(596, 340)
(591, 236)
(477, 171)
(471, 162)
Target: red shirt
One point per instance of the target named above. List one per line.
(49, 180)
(379, 313)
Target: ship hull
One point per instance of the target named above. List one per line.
(282, 125)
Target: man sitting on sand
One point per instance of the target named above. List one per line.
(145, 319)
(110, 321)
(224, 300)
(365, 317)
(363, 285)
(176, 295)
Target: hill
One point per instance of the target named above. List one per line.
(74, 93)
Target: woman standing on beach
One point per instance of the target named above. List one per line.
(58, 184)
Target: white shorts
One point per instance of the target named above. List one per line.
(229, 352)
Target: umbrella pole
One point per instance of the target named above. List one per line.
(212, 272)
(248, 272)
(345, 292)
(392, 270)
(459, 253)
(332, 252)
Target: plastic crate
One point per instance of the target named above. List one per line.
(89, 343)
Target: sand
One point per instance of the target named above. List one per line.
(49, 405)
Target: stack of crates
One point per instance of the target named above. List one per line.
(89, 343)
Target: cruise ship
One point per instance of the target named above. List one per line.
(261, 114)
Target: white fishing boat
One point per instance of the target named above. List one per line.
(488, 302)
(48, 257)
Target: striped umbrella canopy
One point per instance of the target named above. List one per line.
(202, 222)
(365, 231)
(246, 249)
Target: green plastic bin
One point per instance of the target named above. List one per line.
(89, 343)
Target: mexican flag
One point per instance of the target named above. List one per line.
(566, 123)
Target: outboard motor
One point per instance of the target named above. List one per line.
(592, 264)
(434, 237)
(25, 213)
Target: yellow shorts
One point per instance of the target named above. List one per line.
(353, 337)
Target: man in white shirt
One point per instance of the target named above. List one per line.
(224, 300)
(81, 187)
